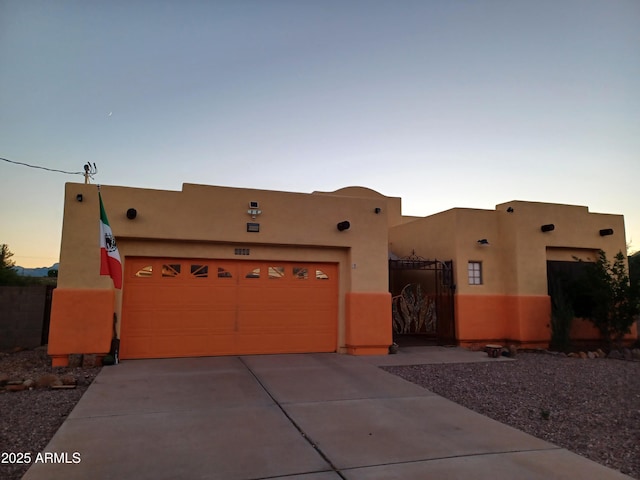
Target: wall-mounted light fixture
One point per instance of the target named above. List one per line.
(342, 226)
(510, 210)
(377, 210)
(79, 197)
(606, 231)
(254, 209)
(483, 242)
(548, 227)
(132, 213)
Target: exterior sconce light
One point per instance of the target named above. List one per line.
(377, 210)
(79, 197)
(132, 213)
(483, 242)
(342, 226)
(254, 209)
(606, 231)
(548, 227)
(510, 210)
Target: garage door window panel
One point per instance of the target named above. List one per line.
(171, 270)
(255, 273)
(301, 273)
(276, 272)
(321, 275)
(199, 271)
(145, 272)
(224, 273)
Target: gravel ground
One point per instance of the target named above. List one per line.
(28, 419)
(591, 407)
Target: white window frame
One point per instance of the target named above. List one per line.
(474, 272)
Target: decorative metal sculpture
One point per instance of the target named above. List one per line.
(413, 311)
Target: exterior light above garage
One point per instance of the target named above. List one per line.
(254, 209)
(606, 231)
(548, 227)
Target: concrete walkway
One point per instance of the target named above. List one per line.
(292, 417)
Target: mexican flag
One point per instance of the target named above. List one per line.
(110, 263)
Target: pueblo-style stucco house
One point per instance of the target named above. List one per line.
(503, 260)
(230, 271)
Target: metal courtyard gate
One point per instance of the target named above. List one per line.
(422, 299)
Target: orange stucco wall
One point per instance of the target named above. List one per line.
(522, 319)
(81, 322)
(368, 326)
(583, 330)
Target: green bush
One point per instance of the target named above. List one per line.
(610, 301)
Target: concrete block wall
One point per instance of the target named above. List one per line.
(24, 313)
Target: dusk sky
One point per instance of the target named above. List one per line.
(443, 103)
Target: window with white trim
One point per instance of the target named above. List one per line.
(474, 270)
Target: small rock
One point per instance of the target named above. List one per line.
(572, 355)
(68, 380)
(48, 380)
(582, 355)
(627, 354)
(600, 353)
(592, 355)
(29, 383)
(617, 354)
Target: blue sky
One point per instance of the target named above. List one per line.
(443, 103)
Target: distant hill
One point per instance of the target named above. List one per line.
(35, 272)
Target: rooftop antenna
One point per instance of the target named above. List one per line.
(89, 171)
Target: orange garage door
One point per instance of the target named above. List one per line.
(184, 308)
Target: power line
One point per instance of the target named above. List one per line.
(42, 168)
